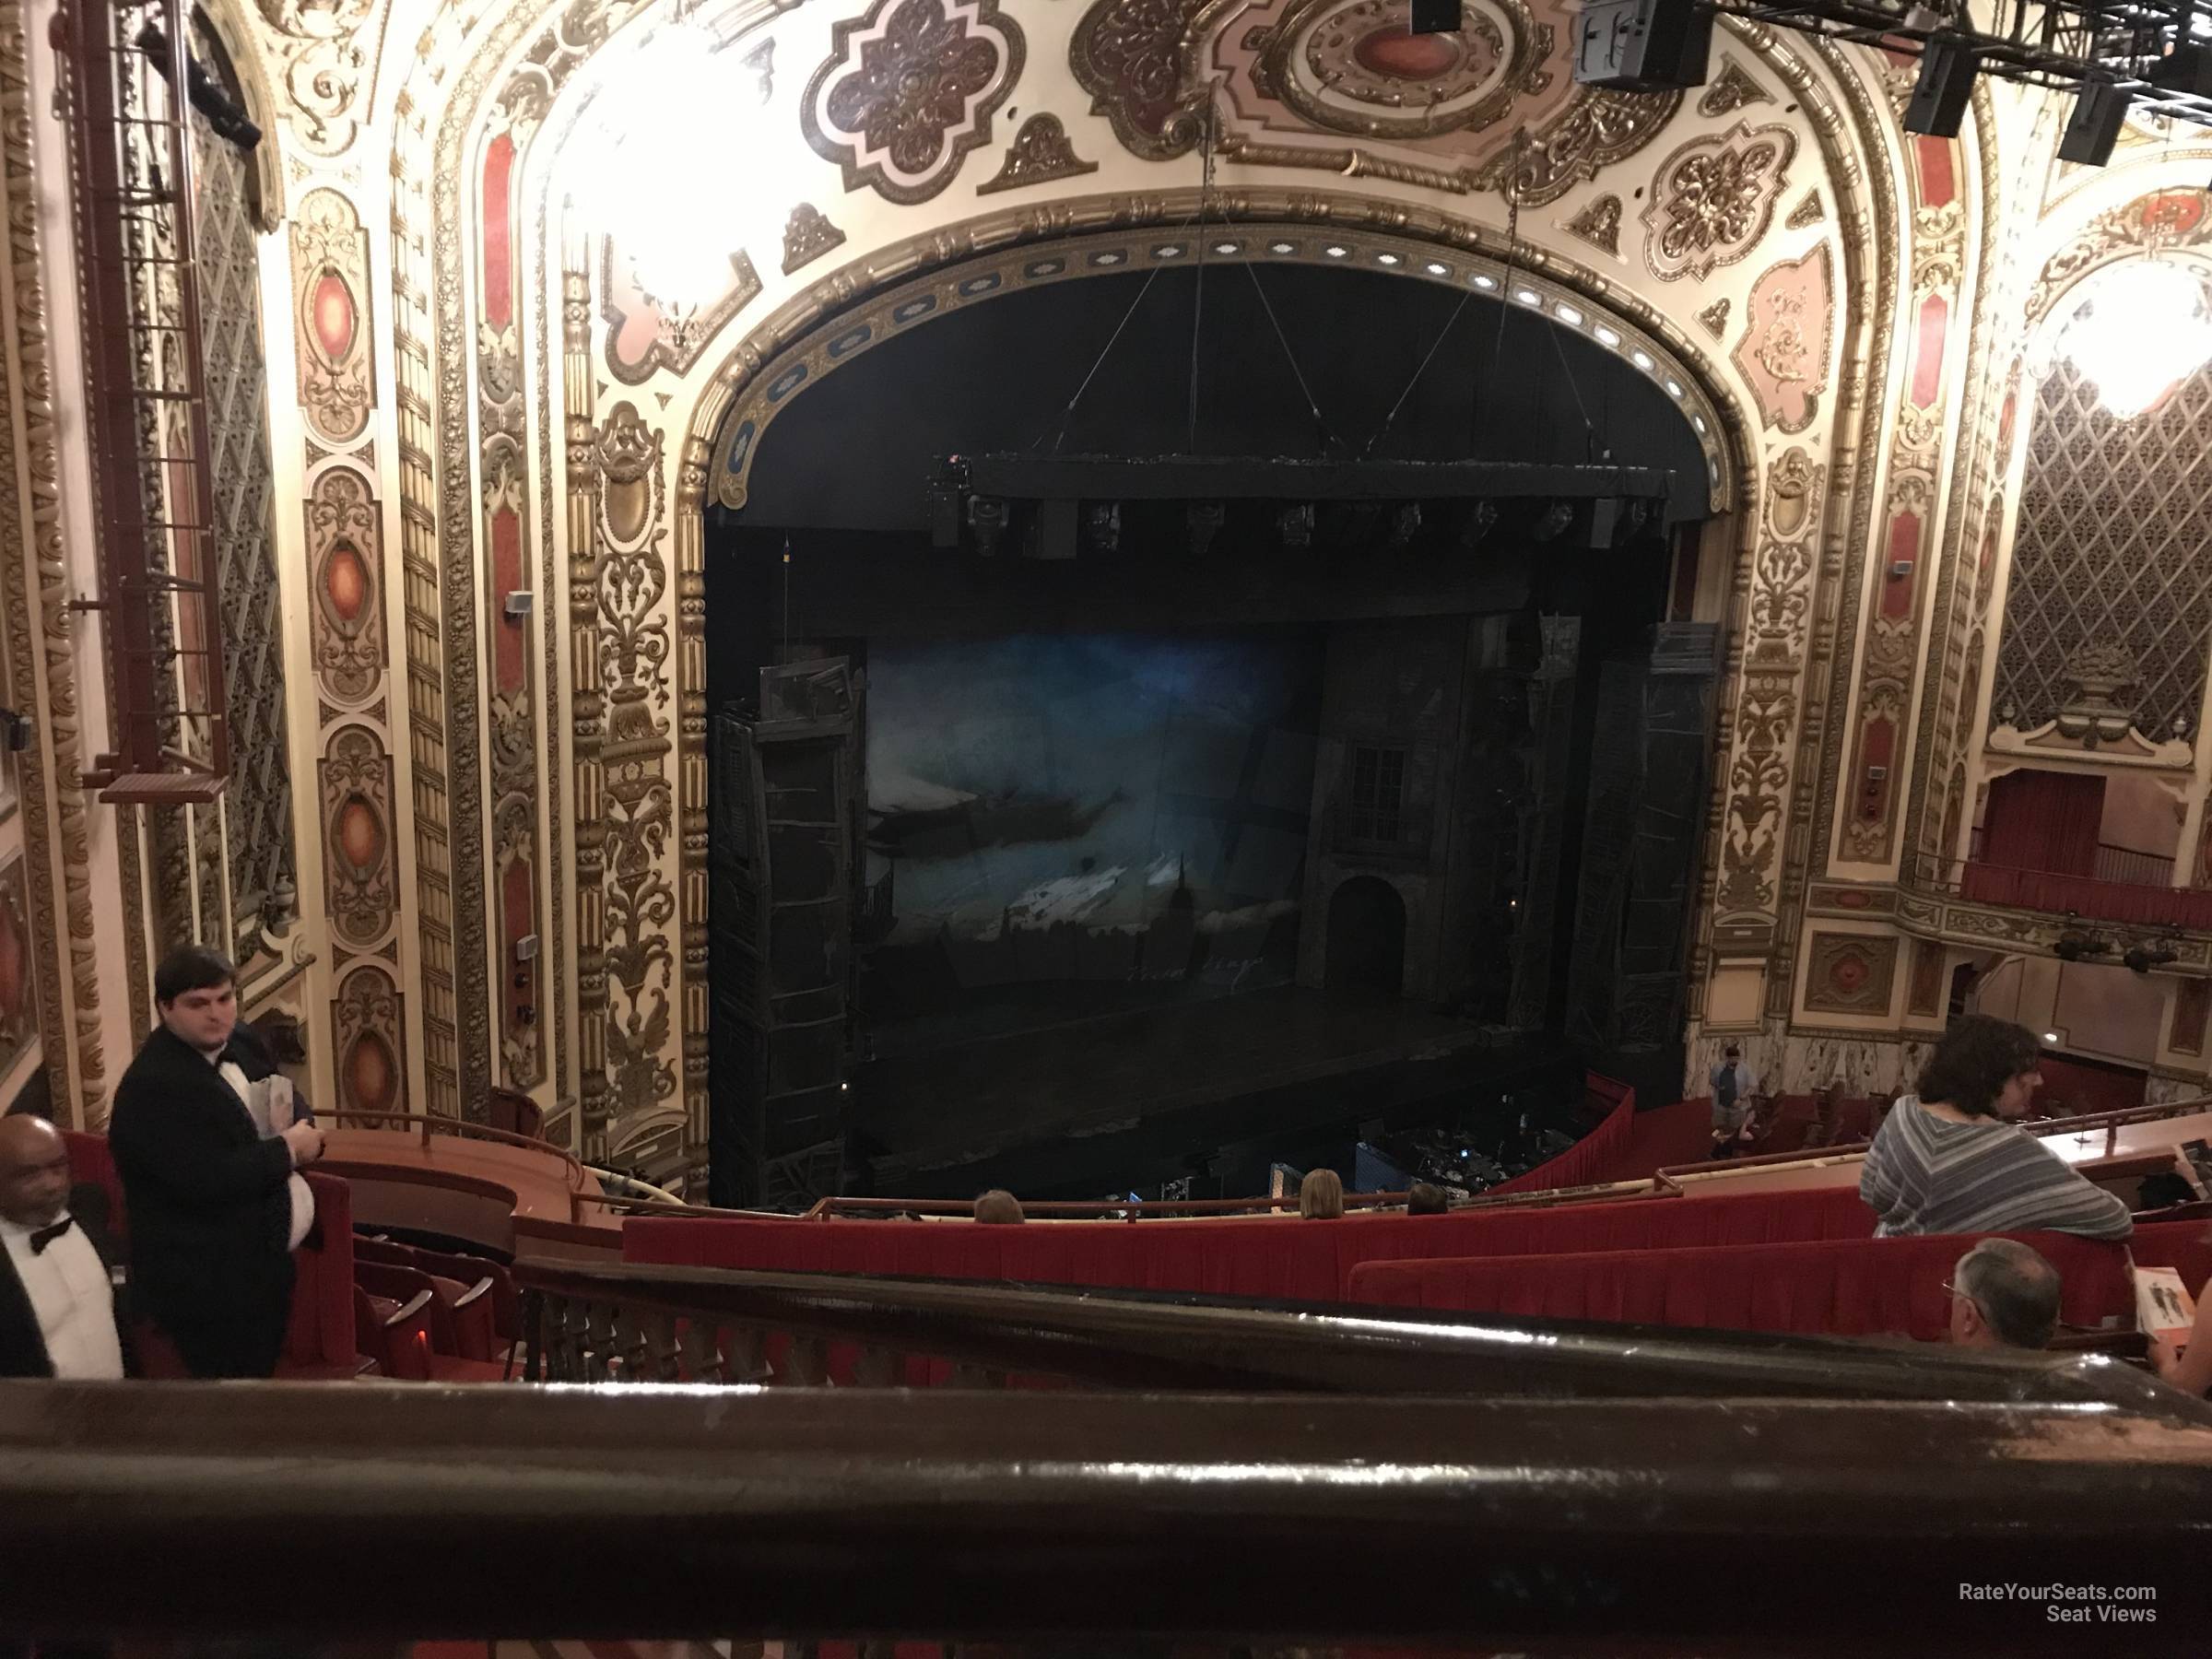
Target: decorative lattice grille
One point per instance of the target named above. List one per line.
(257, 806)
(2116, 521)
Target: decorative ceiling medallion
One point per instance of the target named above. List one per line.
(1715, 318)
(1730, 89)
(1356, 67)
(908, 90)
(808, 236)
(1714, 199)
(1783, 355)
(1599, 225)
(1808, 212)
(1128, 56)
(1041, 152)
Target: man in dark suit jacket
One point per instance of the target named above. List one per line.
(215, 1205)
(59, 1313)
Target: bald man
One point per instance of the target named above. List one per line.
(57, 1300)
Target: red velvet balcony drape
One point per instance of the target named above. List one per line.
(2043, 821)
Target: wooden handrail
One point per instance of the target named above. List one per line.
(628, 1319)
(575, 1513)
(465, 1130)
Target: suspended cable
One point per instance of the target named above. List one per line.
(1328, 434)
(1205, 193)
(1435, 345)
(1067, 413)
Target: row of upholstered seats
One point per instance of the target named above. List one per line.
(430, 1316)
(1833, 1286)
(1310, 1260)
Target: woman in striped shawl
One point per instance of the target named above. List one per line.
(1945, 1160)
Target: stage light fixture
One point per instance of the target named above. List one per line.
(987, 517)
(2188, 68)
(2094, 127)
(2144, 956)
(1298, 525)
(1940, 96)
(1643, 45)
(1434, 17)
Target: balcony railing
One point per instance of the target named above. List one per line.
(2092, 898)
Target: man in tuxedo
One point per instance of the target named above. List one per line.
(209, 1157)
(57, 1295)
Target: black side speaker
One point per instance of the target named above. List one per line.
(1643, 45)
(2094, 127)
(1940, 95)
(1434, 17)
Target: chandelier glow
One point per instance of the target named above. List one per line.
(2141, 328)
(674, 108)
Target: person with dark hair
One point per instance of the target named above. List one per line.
(1425, 1198)
(1946, 1161)
(57, 1293)
(2004, 1294)
(1732, 1085)
(999, 1207)
(209, 1154)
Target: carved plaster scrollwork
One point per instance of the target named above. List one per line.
(1599, 225)
(634, 643)
(330, 272)
(809, 236)
(323, 66)
(361, 864)
(1040, 154)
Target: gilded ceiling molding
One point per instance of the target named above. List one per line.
(1789, 338)
(30, 541)
(1777, 695)
(1965, 575)
(527, 91)
(1598, 224)
(808, 236)
(1891, 648)
(587, 701)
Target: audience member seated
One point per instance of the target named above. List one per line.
(1321, 1195)
(1945, 1160)
(58, 1316)
(999, 1207)
(2004, 1294)
(1425, 1198)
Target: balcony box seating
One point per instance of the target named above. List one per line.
(1283, 1258)
(1839, 1288)
(319, 1342)
(460, 1336)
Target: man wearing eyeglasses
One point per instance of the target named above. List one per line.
(2004, 1295)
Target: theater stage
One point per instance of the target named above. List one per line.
(1134, 1096)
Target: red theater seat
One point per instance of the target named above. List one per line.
(1286, 1258)
(1838, 1287)
(319, 1341)
(2184, 1246)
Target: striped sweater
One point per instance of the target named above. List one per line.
(1926, 1174)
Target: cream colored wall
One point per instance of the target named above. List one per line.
(387, 110)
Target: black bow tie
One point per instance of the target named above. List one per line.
(47, 1235)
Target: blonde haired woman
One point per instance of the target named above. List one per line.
(1321, 1195)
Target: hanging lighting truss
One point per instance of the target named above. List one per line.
(2154, 54)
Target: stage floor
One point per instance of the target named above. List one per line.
(1163, 1082)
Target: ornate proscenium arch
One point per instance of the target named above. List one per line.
(885, 312)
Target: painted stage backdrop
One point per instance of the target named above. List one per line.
(1125, 809)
